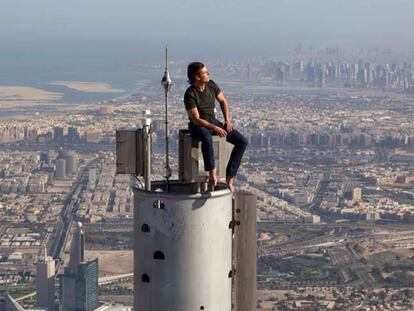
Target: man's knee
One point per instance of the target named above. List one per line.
(243, 142)
(202, 134)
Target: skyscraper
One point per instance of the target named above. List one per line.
(44, 157)
(61, 169)
(70, 158)
(73, 135)
(80, 279)
(71, 163)
(45, 282)
(58, 135)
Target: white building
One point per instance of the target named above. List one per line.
(45, 282)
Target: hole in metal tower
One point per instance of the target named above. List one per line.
(145, 278)
(159, 255)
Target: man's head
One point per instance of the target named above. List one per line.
(197, 72)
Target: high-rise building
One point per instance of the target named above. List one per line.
(58, 135)
(44, 157)
(80, 287)
(70, 159)
(71, 166)
(45, 282)
(73, 135)
(80, 279)
(61, 169)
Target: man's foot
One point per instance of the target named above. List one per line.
(212, 179)
(229, 182)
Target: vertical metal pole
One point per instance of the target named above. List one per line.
(167, 144)
(147, 155)
(245, 252)
(166, 82)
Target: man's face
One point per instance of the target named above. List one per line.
(203, 75)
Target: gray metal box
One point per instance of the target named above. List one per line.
(129, 152)
(191, 162)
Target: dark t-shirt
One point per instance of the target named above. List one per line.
(204, 101)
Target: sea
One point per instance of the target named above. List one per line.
(120, 68)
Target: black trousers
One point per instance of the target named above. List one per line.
(206, 137)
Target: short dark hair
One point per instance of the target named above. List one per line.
(192, 71)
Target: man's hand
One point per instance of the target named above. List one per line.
(225, 109)
(229, 126)
(219, 131)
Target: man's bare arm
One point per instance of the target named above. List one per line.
(224, 105)
(195, 118)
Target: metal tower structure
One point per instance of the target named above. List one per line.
(188, 241)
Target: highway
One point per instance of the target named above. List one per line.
(115, 278)
(67, 216)
(337, 237)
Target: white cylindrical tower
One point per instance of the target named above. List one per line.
(183, 249)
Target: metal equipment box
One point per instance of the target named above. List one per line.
(129, 151)
(190, 158)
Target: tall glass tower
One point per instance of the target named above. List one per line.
(80, 279)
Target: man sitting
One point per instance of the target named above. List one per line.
(199, 100)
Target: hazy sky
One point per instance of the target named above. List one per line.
(195, 28)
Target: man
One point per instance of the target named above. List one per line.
(199, 100)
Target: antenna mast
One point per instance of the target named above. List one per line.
(166, 83)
